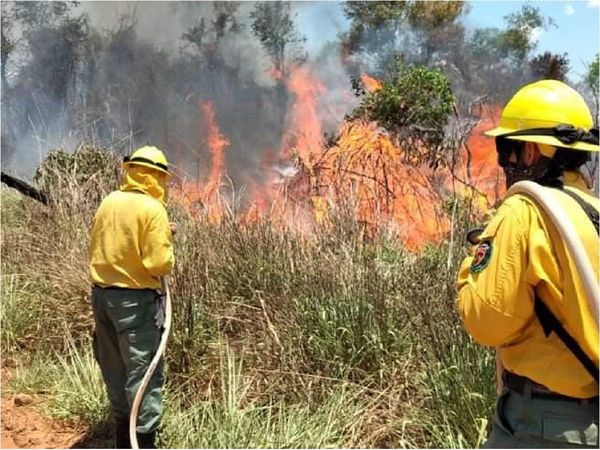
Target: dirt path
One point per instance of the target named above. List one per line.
(24, 427)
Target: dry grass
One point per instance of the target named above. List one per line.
(319, 317)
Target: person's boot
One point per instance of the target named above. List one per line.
(122, 434)
(146, 440)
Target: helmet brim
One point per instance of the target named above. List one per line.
(548, 140)
(150, 166)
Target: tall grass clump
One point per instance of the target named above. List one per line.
(71, 378)
(231, 418)
(21, 307)
(80, 390)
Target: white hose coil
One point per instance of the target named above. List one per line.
(569, 235)
(152, 367)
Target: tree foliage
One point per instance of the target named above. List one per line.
(592, 77)
(488, 60)
(373, 25)
(41, 13)
(380, 26)
(225, 20)
(273, 25)
(592, 81)
(8, 41)
(519, 39)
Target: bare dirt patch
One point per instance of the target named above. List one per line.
(24, 427)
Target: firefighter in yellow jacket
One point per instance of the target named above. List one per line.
(131, 248)
(520, 291)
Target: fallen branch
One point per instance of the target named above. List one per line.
(24, 188)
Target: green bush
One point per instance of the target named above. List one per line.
(414, 102)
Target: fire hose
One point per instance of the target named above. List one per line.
(569, 236)
(153, 364)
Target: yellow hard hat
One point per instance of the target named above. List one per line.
(148, 156)
(548, 112)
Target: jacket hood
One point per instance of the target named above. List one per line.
(146, 180)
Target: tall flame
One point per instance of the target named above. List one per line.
(216, 144)
(304, 126)
(383, 183)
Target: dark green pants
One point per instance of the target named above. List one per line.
(531, 421)
(125, 341)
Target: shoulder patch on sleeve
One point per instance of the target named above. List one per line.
(482, 256)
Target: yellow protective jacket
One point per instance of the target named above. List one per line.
(132, 243)
(524, 255)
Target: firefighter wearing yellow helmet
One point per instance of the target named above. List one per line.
(131, 248)
(520, 291)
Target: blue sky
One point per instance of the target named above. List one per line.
(577, 32)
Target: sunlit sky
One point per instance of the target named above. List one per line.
(577, 30)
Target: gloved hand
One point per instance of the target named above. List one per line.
(159, 317)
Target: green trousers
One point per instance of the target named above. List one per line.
(532, 421)
(125, 341)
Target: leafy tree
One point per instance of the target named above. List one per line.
(487, 43)
(374, 26)
(226, 18)
(550, 66)
(196, 34)
(273, 25)
(42, 13)
(54, 40)
(501, 57)
(204, 36)
(592, 80)
(436, 24)
(382, 28)
(519, 38)
(8, 46)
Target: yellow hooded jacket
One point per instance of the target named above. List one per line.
(132, 243)
(526, 254)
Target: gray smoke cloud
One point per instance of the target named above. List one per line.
(136, 80)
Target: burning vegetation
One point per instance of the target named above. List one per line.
(388, 178)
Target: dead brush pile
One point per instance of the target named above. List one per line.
(306, 314)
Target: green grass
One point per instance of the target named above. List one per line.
(78, 387)
(72, 380)
(231, 418)
(20, 310)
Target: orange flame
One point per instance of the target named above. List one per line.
(371, 84)
(216, 144)
(304, 126)
(479, 158)
(196, 196)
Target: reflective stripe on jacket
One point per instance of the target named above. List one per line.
(527, 255)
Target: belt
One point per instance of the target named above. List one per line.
(518, 383)
(118, 288)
